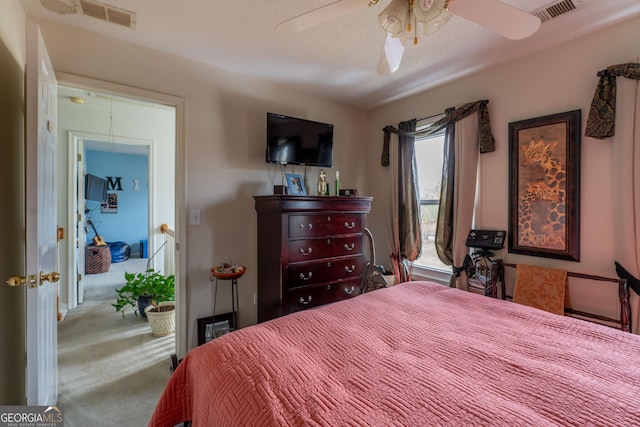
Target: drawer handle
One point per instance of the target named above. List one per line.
(349, 247)
(347, 225)
(309, 226)
(303, 277)
(302, 252)
(349, 270)
(348, 291)
(303, 302)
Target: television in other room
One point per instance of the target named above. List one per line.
(95, 188)
(291, 140)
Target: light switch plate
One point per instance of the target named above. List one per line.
(195, 217)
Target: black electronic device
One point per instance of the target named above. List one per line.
(291, 140)
(95, 188)
(486, 239)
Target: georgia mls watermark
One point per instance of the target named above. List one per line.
(31, 416)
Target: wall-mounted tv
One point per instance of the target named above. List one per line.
(95, 188)
(298, 141)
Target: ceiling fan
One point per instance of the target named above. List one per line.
(403, 20)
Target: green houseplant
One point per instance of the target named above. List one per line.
(150, 286)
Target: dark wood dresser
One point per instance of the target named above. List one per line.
(310, 251)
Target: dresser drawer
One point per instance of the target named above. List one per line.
(324, 225)
(306, 250)
(308, 273)
(314, 296)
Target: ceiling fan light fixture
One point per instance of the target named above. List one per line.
(436, 23)
(392, 18)
(402, 17)
(426, 10)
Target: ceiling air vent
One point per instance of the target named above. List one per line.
(557, 8)
(108, 13)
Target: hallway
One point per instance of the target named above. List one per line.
(111, 370)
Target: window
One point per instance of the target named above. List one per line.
(429, 158)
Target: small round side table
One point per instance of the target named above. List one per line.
(233, 277)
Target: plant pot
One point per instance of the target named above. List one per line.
(162, 322)
(143, 302)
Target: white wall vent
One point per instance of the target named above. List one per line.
(557, 8)
(108, 13)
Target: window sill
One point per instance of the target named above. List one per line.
(430, 274)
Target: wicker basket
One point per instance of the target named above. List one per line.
(97, 259)
(162, 323)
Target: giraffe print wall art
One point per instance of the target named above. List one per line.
(544, 186)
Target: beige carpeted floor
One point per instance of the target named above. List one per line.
(111, 370)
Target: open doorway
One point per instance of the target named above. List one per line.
(166, 169)
(130, 146)
(132, 138)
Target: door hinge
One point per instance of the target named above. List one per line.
(79, 157)
(79, 217)
(79, 278)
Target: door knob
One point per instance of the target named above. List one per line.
(31, 281)
(52, 277)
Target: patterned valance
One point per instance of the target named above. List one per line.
(486, 143)
(602, 114)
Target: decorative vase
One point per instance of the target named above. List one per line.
(143, 302)
(162, 319)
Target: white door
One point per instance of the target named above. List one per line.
(41, 224)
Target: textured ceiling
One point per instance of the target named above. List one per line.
(338, 59)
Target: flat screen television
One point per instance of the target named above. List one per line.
(298, 141)
(95, 188)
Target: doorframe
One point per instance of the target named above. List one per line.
(74, 138)
(116, 89)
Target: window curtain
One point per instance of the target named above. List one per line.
(467, 131)
(463, 197)
(444, 222)
(615, 115)
(405, 233)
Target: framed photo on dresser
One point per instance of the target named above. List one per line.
(296, 184)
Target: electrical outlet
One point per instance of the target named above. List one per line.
(195, 217)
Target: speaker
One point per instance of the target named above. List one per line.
(280, 189)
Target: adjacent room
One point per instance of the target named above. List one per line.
(369, 205)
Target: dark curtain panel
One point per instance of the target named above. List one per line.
(444, 225)
(408, 195)
(602, 114)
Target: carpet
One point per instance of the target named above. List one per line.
(111, 371)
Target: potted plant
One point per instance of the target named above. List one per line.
(152, 295)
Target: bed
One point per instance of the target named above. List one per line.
(416, 354)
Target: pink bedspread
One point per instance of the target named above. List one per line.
(418, 354)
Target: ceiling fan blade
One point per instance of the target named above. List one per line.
(61, 7)
(391, 55)
(496, 16)
(320, 16)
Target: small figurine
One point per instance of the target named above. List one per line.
(323, 186)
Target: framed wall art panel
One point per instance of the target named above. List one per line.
(544, 186)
